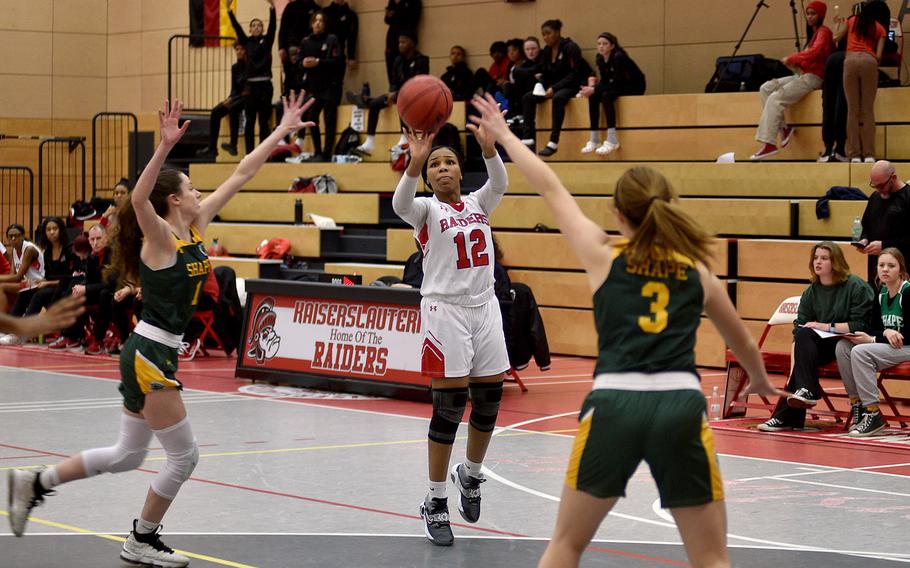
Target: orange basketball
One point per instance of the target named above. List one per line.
(424, 103)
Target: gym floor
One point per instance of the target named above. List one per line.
(290, 477)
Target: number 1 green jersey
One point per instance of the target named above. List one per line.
(647, 315)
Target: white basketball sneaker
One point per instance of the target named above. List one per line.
(148, 550)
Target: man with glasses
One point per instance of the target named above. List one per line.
(886, 220)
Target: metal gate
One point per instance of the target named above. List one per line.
(114, 150)
(17, 198)
(200, 77)
(61, 175)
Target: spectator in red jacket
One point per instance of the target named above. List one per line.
(778, 94)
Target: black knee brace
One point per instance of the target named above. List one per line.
(448, 409)
(485, 399)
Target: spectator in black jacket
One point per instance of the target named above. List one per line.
(295, 26)
(258, 91)
(886, 220)
(619, 77)
(563, 71)
(523, 75)
(401, 16)
(343, 23)
(458, 77)
(321, 73)
(59, 263)
(409, 63)
(231, 107)
(95, 283)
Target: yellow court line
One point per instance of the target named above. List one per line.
(115, 538)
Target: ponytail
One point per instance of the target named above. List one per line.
(646, 199)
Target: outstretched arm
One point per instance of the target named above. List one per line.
(155, 229)
(586, 238)
(489, 196)
(249, 165)
(59, 316)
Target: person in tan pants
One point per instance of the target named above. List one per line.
(865, 42)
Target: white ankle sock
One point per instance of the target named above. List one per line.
(402, 140)
(611, 136)
(145, 527)
(595, 137)
(49, 478)
(437, 490)
(369, 143)
(552, 145)
(472, 468)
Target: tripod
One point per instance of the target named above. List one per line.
(761, 4)
(795, 25)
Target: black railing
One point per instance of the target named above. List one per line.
(199, 76)
(114, 149)
(17, 197)
(61, 175)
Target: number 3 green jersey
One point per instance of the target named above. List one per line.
(170, 295)
(647, 315)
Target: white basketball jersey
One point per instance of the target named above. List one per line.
(35, 272)
(456, 239)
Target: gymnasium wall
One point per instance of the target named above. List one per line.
(67, 59)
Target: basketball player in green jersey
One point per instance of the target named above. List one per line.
(159, 242)
(647, 403)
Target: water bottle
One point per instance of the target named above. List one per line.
(857, 233)
(365, 91)
(298, 211)
(714, 411)
(742, 85)
(241, 126)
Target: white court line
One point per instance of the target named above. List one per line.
(511, 384)
(549, 497)
(423, 536)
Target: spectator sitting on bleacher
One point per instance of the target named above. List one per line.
(859, 358)
(458, 77)
(865, 45)
(886, 219)
(835, 302)
(492, 79)
(564, 71)
(779, 94)
(296, 24)
(59, 263)
(409, 63)
(258, 90)
(515, 53)
(121, 195)
(26, 271)
(619, 76)
(94, 284)
(230, 107)
(523, 75)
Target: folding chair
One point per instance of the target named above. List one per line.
(207, 319)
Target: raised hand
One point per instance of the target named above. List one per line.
(419, 144)
(490, 126)
(169, 117)
(294, 107)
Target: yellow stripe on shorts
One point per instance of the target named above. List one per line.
(148, 375)
(707, 442)
(578, 449)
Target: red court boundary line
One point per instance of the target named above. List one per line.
(372, 510)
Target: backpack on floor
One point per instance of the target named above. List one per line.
(347, 142)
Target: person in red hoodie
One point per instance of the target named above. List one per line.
(778, 94)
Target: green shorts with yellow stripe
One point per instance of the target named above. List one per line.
(667, 429)
(146, 366)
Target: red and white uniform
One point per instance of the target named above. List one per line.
(35, 272)
(459, 311)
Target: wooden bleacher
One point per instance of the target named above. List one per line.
(765, 210)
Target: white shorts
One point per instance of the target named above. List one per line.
(460, 341)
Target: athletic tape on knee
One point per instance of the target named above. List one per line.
(485, 399)
(127, 454)
(182, 455)
(448, 409)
